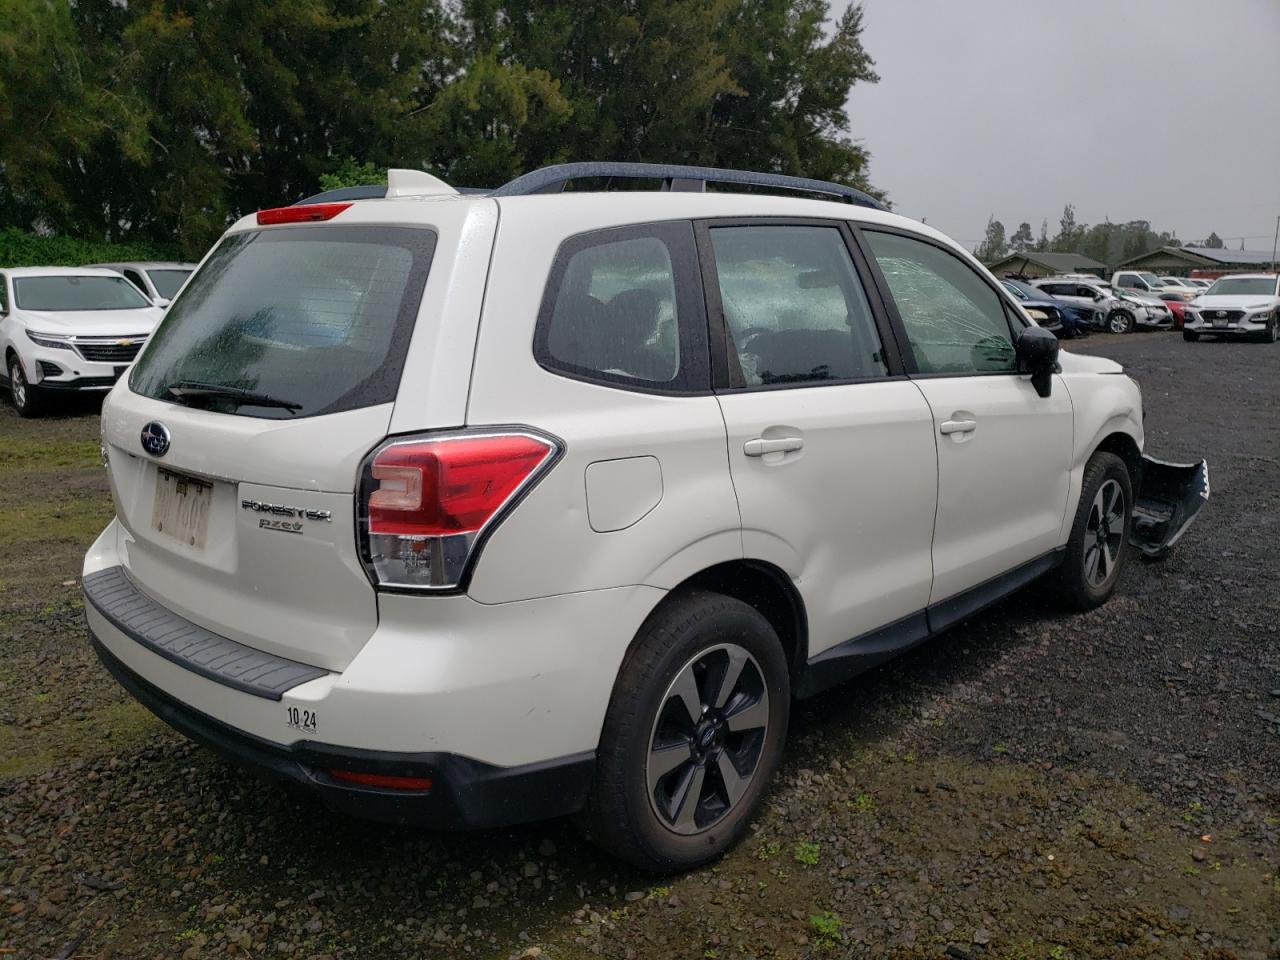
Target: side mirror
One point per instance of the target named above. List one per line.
(1037, 351)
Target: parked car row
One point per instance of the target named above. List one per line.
(78, 328)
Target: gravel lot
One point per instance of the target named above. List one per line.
(1033, 785)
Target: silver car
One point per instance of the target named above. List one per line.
(1125, 310)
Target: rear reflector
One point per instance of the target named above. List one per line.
(384, 780)
(309, 213)
(425, 501)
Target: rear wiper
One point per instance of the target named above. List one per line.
(183, 390)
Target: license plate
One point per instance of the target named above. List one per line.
(181, 509)
(1219, 321)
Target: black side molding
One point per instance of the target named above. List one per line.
(189, 645)
(847, 660)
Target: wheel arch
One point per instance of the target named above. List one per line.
(1126, 448)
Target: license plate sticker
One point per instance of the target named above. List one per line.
(181, 508)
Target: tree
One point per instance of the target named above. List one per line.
(1070, 234)
(1213, 241)
(1042, 243)
(1022, 240)
(993, 245)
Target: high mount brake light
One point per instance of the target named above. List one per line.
(426, 501)
(311, 213)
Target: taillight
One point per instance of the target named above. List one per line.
(307, 213)
(426, 502)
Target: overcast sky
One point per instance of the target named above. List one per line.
(1162, 110)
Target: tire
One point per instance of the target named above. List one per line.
(640, 808)
(1272, 333)
(1121, 321)
(1190, 336)
(26, 399)
(1081, 583)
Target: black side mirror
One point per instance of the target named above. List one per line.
(1037, 351)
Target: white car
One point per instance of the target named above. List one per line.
(1242, 306)
(68, 329)
(159, 281)
(1124, 310)
(1188, 288)
(469, 510)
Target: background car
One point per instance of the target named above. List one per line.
(68, 329)
(1244, 306)
(1183, 286)
(1140, 282)
(159, 281)
(1065, 319)
(1200, 283)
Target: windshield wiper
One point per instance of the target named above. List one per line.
(183, 390)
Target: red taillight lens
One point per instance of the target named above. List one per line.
(426, 500)
(384, 780)
(308, 213)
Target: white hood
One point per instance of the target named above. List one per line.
(1235, 301)
(1086, 363)
(93, 323)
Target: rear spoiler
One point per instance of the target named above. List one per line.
(1170, 497)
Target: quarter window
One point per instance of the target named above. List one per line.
(954, 320)
(794, 308)
(622, 306)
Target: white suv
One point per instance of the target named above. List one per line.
(468, 510)
(1245, 305)
(68, 329)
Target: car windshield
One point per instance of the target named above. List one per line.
(315, 318)
(1243, 287)
(1025, 291)
(86, 292)
(1151, 278)
(167, 282)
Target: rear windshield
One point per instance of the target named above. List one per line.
(317, 318)
(168, 282)
(77, 293)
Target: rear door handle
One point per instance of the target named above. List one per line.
(760, 446)
(957, 426)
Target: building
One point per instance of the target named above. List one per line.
(1045, 265)
(1207, 262)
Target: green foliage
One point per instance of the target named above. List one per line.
(21, 249)
(826, 929)
(157, 122)
(808, 853)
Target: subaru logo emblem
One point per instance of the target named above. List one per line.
(155, 438)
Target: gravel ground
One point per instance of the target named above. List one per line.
(1033, 785)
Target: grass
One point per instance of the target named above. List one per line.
(826, 929)
(78, 520)
(21, 454)
(808, 853)
(112, 726)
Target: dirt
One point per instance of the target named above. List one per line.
(1032, 785)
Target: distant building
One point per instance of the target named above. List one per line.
(1207, 262)
(1045, 265)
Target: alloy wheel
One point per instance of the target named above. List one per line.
(707, 739)
(17, 385)
(1104, 533)
(1119, 322)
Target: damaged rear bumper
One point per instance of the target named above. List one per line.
(1170, 497)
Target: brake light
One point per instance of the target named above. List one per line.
(308, 213)
(425, 502)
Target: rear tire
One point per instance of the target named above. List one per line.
(26, 399)
(1098, 546)
(1190, 336)
(1120, 321)
(684, 758)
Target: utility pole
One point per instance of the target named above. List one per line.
(1274, 244)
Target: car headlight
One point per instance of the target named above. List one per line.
(55, 341)
(1039, 316)
(1260, 317)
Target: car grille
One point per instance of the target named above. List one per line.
(109, 351)
(1229, 315)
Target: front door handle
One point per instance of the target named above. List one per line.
(957, 426)
(760, 446)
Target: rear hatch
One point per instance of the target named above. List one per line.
(235, 443)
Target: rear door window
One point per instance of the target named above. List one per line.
(318, 318)
(623, 307)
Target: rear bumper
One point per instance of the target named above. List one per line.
(464, 794)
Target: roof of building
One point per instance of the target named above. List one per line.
(1207, 256)
(1057, 262)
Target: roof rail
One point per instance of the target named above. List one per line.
(675, 177)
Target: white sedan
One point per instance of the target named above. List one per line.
(68, 329)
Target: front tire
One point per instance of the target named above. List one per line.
(693, 735)
(26, 399)
(1098, 546)
(1120, 321)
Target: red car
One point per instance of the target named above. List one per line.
(1178, 308)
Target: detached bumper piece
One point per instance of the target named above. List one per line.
(1171, 496)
